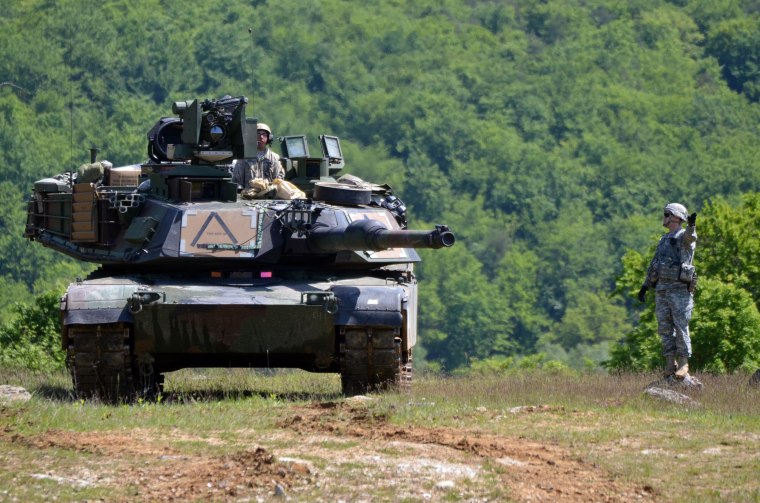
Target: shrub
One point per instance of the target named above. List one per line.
(31, 339)
(504, 365)
(726, 328)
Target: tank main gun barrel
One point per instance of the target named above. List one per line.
(372, 235)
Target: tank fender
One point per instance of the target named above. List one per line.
(97, 316)
(85, 304)
(369, 305)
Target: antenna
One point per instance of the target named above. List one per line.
(253, 72)
(71, 119)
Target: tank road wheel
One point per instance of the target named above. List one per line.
(100, 361)
(370, 359)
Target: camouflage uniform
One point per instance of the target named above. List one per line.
(674, 299)
(266, 166)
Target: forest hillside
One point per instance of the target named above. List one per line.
(548, 134)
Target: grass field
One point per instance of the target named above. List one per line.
(241, 435)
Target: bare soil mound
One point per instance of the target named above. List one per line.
(532, 471)
(325, 452)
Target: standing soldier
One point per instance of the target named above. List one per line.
(266, 166)
(672, 276)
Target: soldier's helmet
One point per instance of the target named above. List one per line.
(261, 126)
(265, 127)
(678, 210)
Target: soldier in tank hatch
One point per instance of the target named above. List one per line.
(672, 275)
(266, 166)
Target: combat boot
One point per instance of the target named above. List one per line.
(683, 367)
(670, 365)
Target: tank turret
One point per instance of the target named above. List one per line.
(195, 273)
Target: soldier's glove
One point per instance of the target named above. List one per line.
(643, 294)
(692, 219)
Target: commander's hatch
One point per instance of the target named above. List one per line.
(303, 170)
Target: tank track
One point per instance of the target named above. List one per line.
(372, 359)
(100, 361)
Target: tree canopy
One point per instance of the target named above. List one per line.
(547, 134)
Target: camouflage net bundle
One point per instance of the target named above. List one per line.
(92, 172)
(277, 189)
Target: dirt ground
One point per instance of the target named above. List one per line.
(336, 451)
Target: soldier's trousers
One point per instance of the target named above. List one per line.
(673, 308)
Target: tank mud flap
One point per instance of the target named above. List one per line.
(371, 359)
(369, 305)
(97, 316)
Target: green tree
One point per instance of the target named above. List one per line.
(726, 329)
(590, 319)
(464, 317)
(32, 337)
(536, 129)
(736, 45)
(729, 243)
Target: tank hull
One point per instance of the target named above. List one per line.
(360, 326)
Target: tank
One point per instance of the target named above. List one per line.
(315, 274)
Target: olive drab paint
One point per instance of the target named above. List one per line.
(194, 275)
